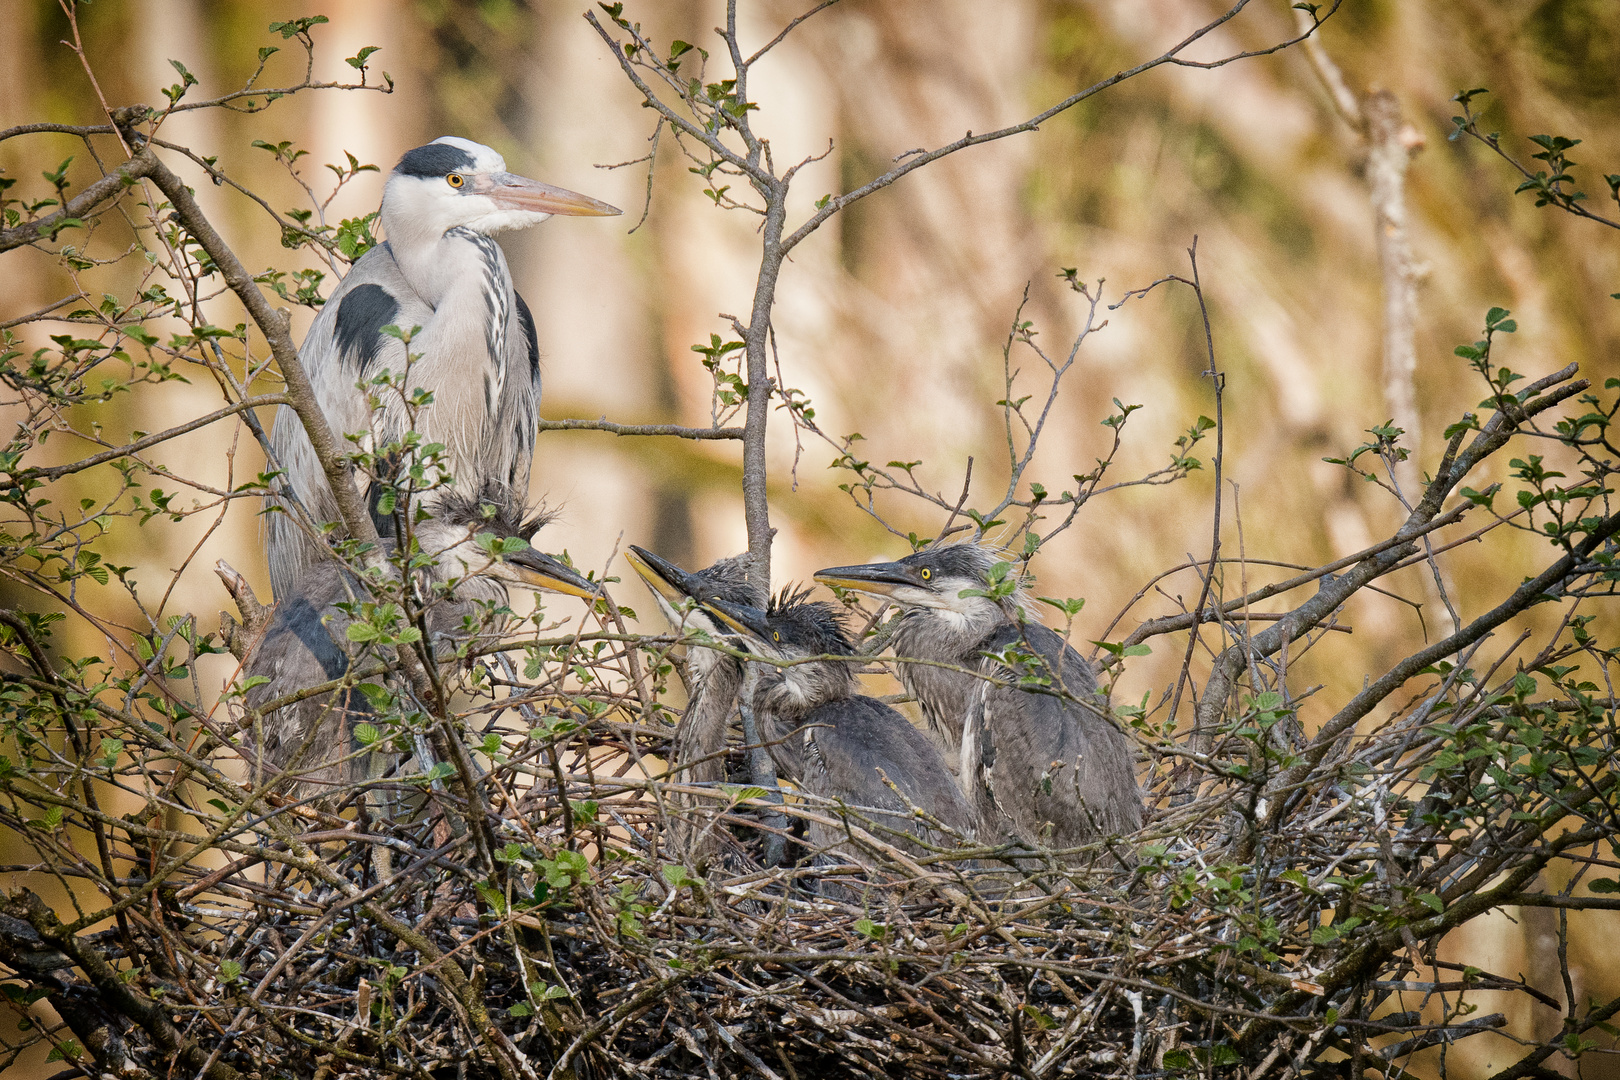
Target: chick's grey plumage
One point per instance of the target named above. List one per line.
(712, 678)
(1036, 765)
(306, 643)
(477, 349)
(833, 741)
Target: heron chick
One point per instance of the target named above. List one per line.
(1042, 764)
(476, 350)
(308, 642)
(712, 678)
(830, 739)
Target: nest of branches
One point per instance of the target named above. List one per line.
(569, 908)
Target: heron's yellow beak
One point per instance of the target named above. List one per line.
(662, 577)
(511, 192)
(538, 570)
(879, 579)
(746, 620)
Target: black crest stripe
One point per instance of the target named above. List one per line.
(434, 159)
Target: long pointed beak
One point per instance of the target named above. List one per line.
(879, 579)
(512, 192)
(662, 577)
(540, 571)
(741, 618)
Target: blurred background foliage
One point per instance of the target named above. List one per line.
(892, 320)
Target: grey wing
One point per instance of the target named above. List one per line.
(344, 345)
(796, 757)
(1043, 759)
(304, 646)
(1055, 658)
(1046, 760)
(866, 742)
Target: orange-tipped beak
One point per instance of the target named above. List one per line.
(511, 192)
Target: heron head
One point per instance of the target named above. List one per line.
(457, 183)
(935, 579)
(793, 628)
(680, 595)
(487, 535)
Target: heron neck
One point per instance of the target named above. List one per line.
(435, 261)
(701, 735)
(943, 693)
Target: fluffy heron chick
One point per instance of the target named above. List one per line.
(307, 644)
(712, 678)
(1038, 766)
(475, 348)
(831, 740)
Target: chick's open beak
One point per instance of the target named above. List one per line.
(662, 577)
(540, 571)
(512, 192)
(880, 579)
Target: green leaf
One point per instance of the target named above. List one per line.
(294, 27)
(1296, 877)
(1433, 902)
(1604, 885)
(1178, 1059)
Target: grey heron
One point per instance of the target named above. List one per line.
(712, 678)
(477, 351)
(830, 739)
(1039, 766)
(307, 641)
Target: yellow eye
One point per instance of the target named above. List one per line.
(927, 574)
(454, 180)
(776, 636)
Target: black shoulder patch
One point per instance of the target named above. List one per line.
(434, 159)
(530, 335)
(383, 522)
(362, 314)
(300, 618)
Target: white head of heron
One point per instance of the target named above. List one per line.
(456, 183)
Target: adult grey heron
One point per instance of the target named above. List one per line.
(712, 678)
(477, 351)
(1039, 766)
(455, 579)
(831, 740)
